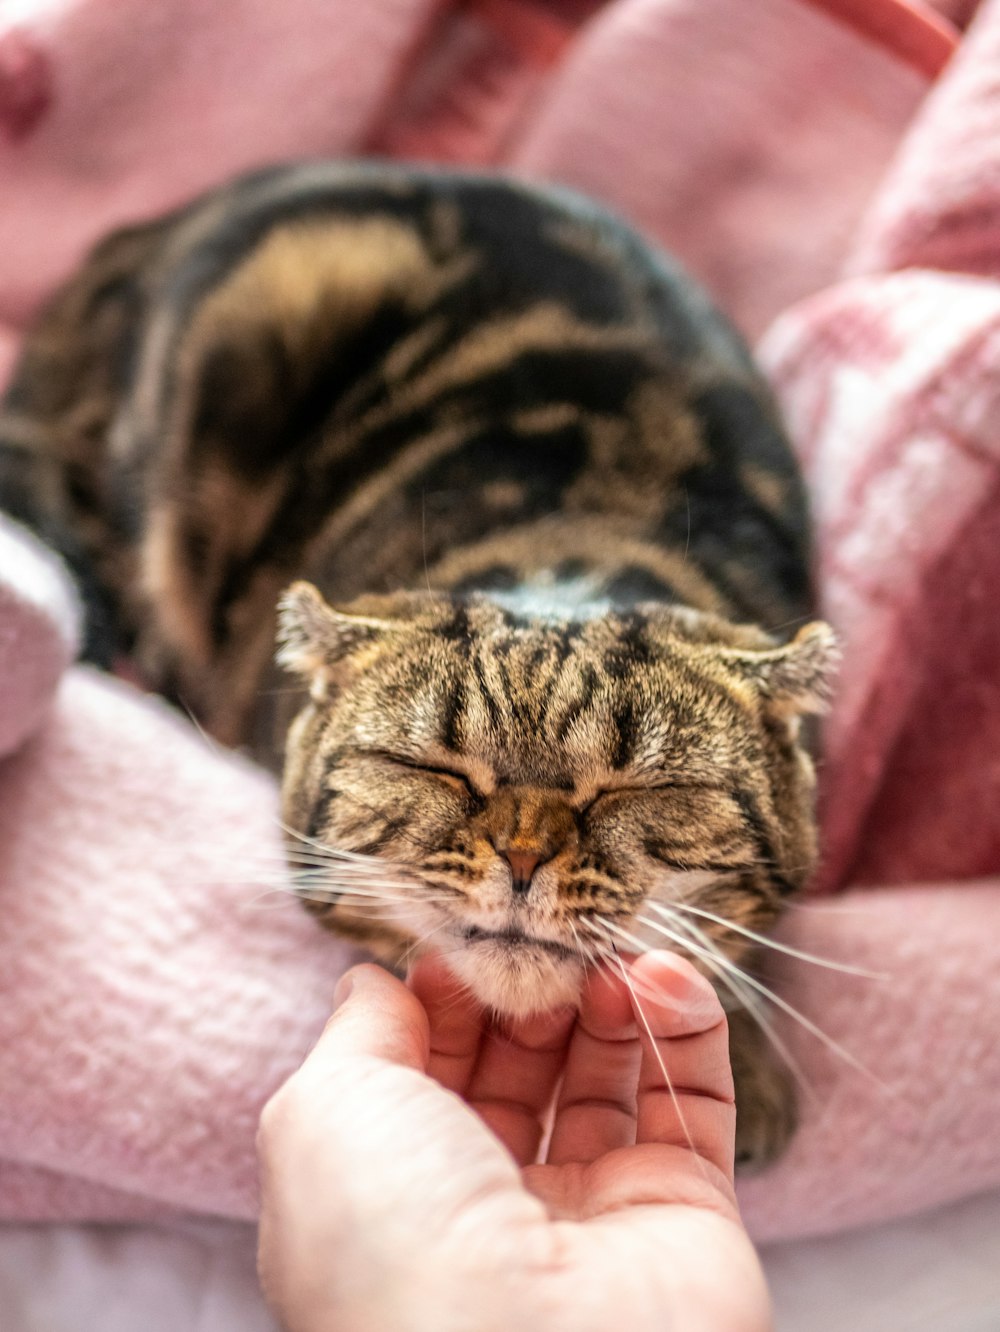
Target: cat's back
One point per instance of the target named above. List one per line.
(360, 254)
(370, 373)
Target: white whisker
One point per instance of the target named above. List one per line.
(763, 939)
(606, 949)
(269, 900)
(722, 968)
(769, 994)
(419, 942)
(655, 1049)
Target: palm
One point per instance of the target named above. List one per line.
(627, 1163)
(388, 1202)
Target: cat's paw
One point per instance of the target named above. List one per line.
(766, 1114)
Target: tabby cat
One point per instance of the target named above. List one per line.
(544, 536)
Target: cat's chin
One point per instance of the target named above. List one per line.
(518, 980)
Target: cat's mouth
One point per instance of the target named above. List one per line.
(516, 972)
(515, 939)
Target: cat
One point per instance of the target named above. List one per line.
(534, 538)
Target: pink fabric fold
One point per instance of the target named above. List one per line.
(110, 112)
(889, 385)
(159, 983)
(153, 996)
(900, 1100)
(39, 633)
(751, 157)
(725, 150)
(939, 206)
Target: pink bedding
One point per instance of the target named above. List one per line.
(151, 1001)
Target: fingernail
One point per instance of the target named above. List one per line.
(344, 987)
(698, 1001)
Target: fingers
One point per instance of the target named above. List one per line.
(597, 1106)
(455, 1022)
(360, 1148)
(646, 1061)
(685, 1096)
(377, 1016)
(515, 1077)
(632, 1042)
(507, 1074)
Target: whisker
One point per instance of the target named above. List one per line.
(734, 980)
(654, 1047)
(277, 864)
(383, 888)
(353, 861)
(587, 954)
(605, 948)
(763, 939)
(348, 907)
(210, 742)
(348, 893)
(418, 943)
(421, 843)
(261, 903)
(747, 1000)
(285, 896)
(769, 994)
(399, 889)
(321, 851)
(302, 837)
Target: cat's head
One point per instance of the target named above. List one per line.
(536, 792)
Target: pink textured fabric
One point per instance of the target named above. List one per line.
(890, 386)
(39, 633)
(939, 206)
(114, 111)
(726, 150)
(151, 1003)
(156, 990)
(915, 1122)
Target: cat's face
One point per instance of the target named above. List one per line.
(531, 788)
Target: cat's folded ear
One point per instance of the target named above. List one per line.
(797, 677)
(314, 639)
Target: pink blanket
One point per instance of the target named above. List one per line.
(156, 990)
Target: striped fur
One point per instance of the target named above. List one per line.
(549, 496)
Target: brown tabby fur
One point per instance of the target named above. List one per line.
(547, 492)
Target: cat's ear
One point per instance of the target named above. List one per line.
(313, 638)
(794, 678)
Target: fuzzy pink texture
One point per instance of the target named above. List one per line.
(889, 385)
(149, 103)
(722, 149)
(39, 633)
(151, 1003)
(726, 149)
(161, 990)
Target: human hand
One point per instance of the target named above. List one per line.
(399, 1186)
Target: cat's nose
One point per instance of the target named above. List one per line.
(522, 866)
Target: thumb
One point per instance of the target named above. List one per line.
(366, 1057)
(376, 1016)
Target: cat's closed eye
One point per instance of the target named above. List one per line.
(455, 777)
(640, 788)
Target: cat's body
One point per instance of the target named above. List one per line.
(545, 483)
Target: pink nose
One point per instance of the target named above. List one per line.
(522, 866)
